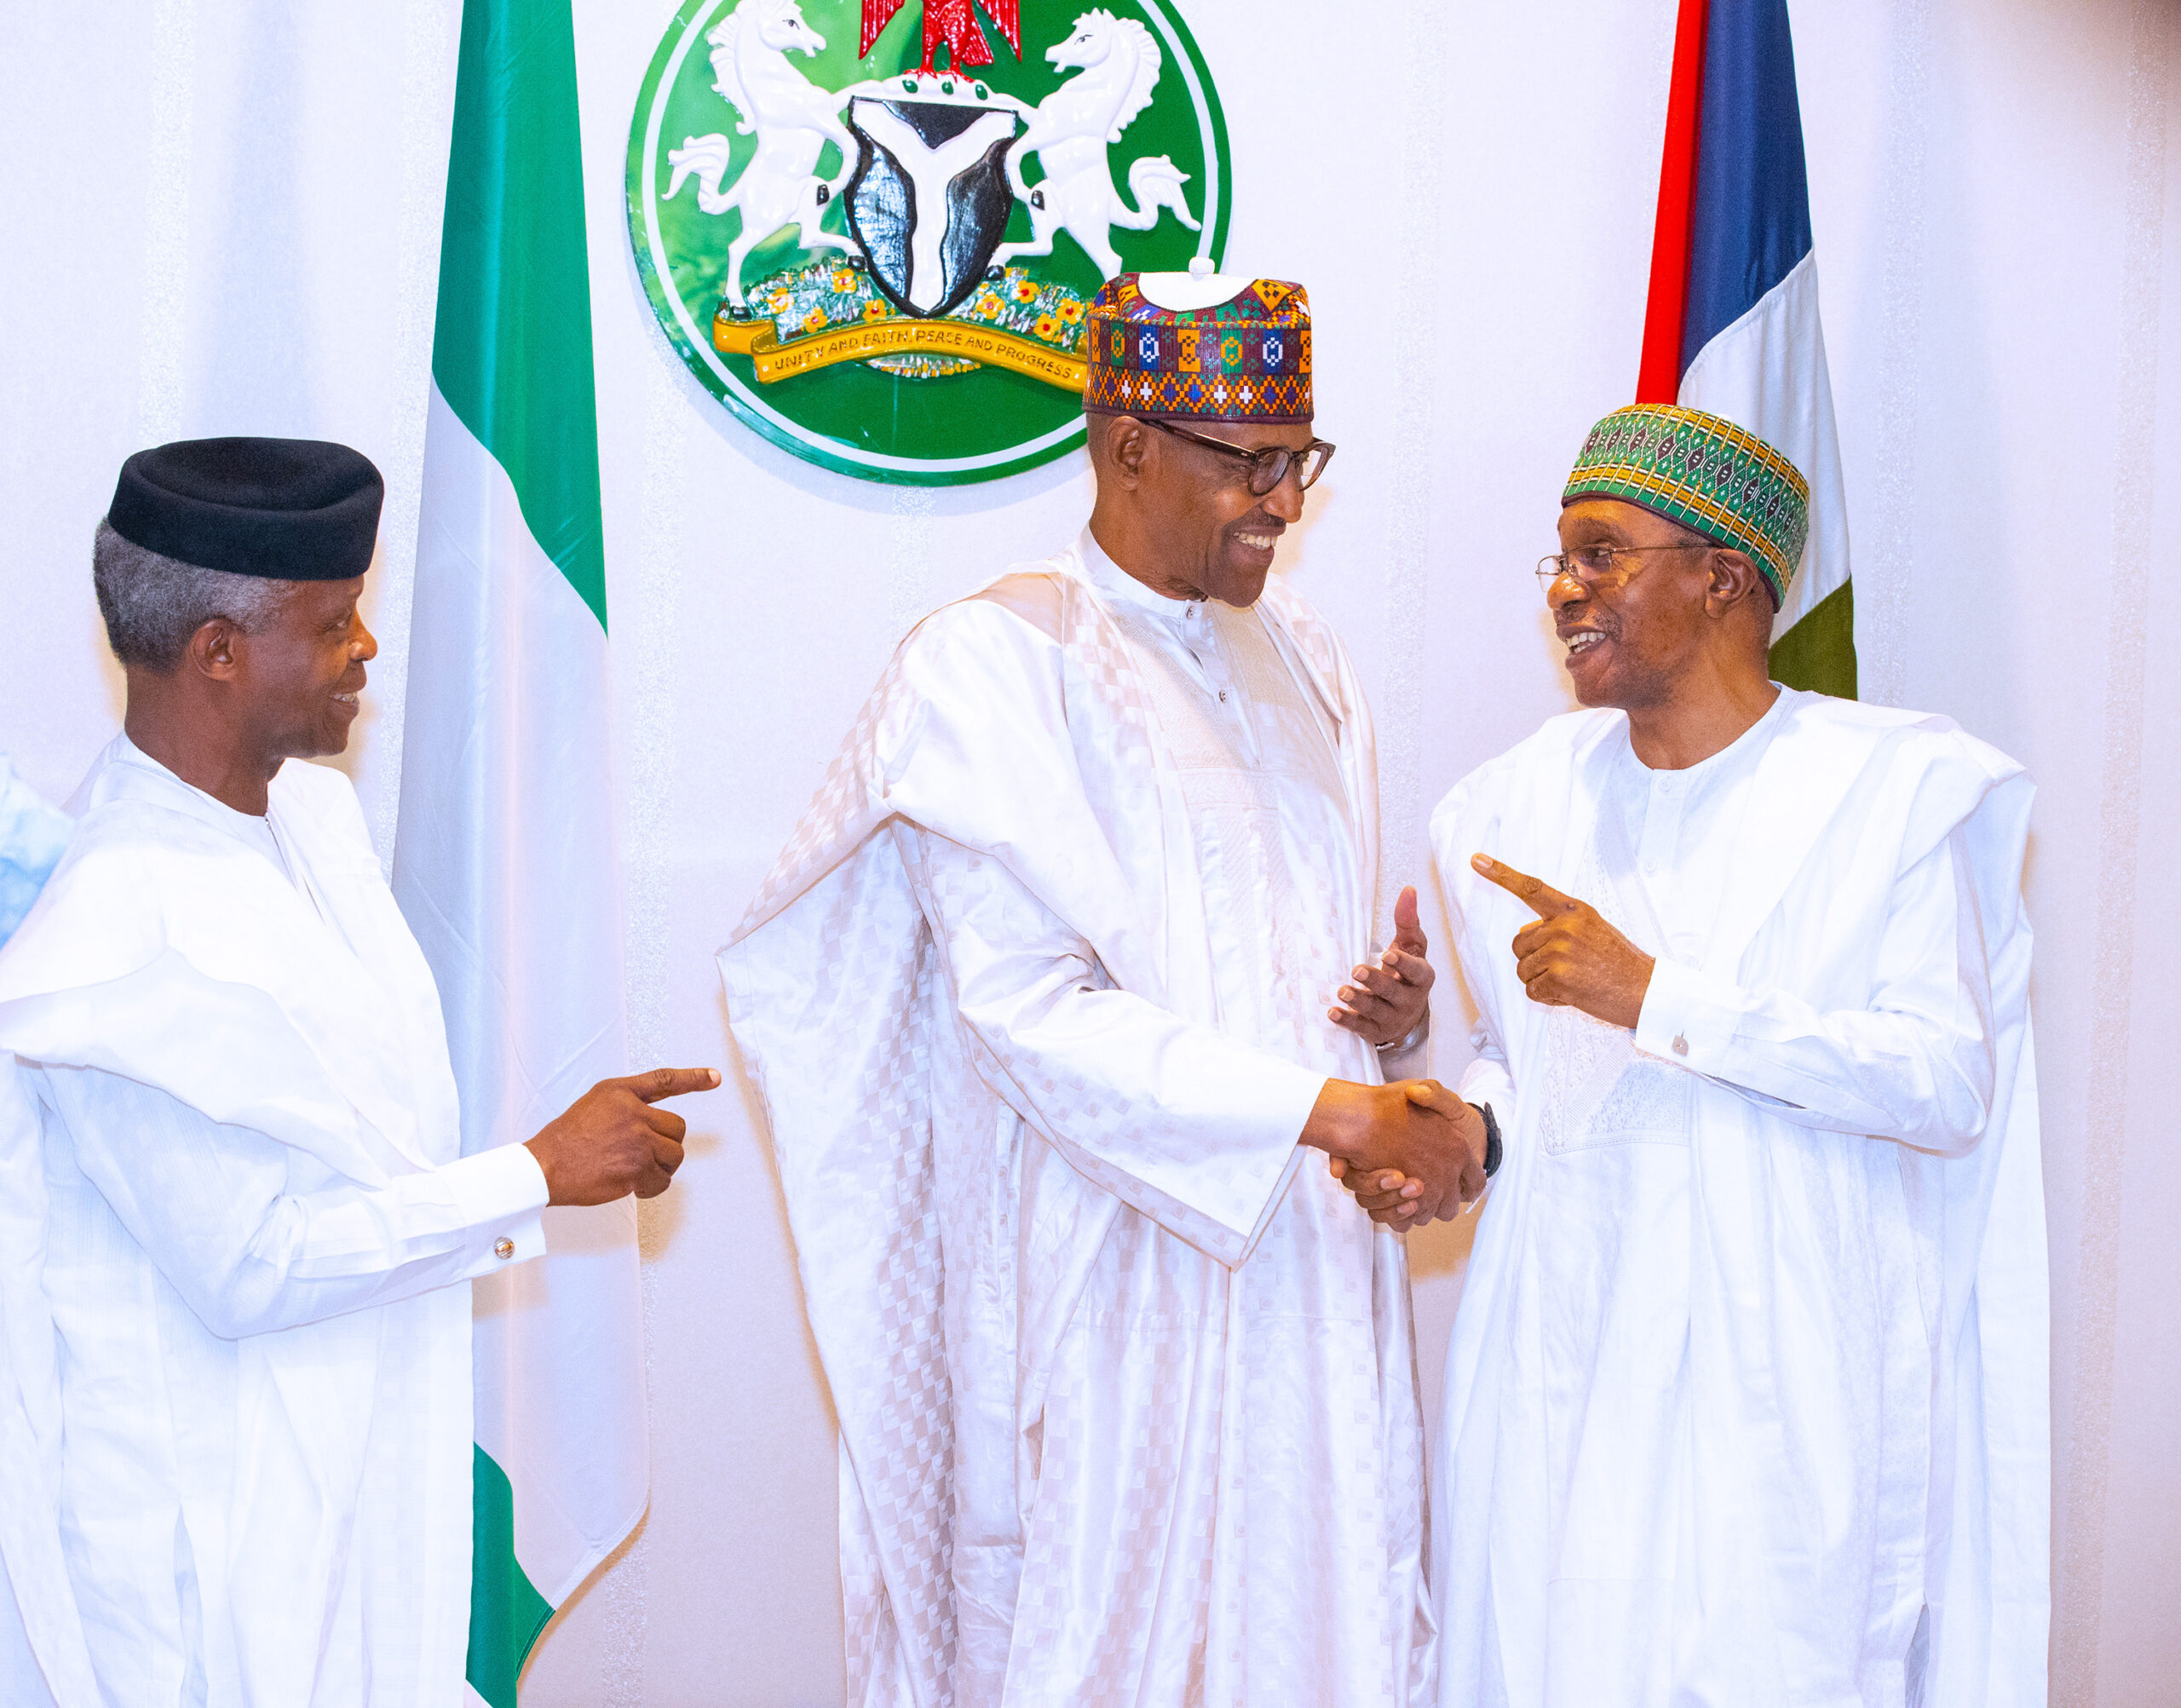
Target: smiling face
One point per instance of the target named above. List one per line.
(1212, 536)
(1633, 637)
(302, 674)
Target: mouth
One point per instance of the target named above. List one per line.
(1582, 640)
(1258, 541)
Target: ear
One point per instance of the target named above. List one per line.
(215, 651)
(1737, 583)
(1128, 447)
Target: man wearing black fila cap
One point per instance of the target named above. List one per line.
(235, 1222)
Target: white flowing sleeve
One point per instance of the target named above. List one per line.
(1191, 1128)
(1917, 1064)
(1486, 1079)
(214, 1208)
(1459, 827)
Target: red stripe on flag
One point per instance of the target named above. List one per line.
(1659, 379)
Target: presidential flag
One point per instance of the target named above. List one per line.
(1732, 325)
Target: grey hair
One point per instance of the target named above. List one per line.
(153, 604)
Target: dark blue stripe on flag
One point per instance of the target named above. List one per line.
(1750, 222)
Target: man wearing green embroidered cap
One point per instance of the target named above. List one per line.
(1746, 1401)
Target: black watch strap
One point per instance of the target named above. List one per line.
(1492, 1146)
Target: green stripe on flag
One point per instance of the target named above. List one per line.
(506, 1611)
(512, 348)
(1819, 653)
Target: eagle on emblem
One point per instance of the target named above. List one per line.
(954, 22)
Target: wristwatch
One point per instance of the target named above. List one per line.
(1492, 1145)
(1417, 1034)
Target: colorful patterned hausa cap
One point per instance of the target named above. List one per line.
(1707, 473)
(1246, 358)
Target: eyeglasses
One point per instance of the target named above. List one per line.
(1267, 467)
(1592, 565)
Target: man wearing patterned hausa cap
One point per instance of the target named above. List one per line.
(1054, 998)
(236, 1233)
(1746, 1398)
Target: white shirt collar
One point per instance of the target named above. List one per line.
(1116, 583)
(211, 807)
(1744, 747)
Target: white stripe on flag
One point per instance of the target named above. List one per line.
(517, 904)
(1767, 372)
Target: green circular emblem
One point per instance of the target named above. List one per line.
(874, 227)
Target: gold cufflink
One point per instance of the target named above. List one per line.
(505, 1248)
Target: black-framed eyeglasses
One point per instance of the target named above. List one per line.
(1267, 467)
(1592, 565)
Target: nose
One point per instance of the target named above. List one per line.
(363, 645)
(1563, 591)
(1285, 501)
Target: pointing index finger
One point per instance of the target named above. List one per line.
(672, 1082)
(1534, 892)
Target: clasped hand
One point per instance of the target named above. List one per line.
(1410, 1152)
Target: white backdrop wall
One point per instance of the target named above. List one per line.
(222, 216)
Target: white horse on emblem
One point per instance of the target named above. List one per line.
(793, 119)
(1069, 132)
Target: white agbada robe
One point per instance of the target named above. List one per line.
(235, 1403)
(1037, 1002)
(1746, 1402)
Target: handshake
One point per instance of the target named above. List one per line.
(1410, 1152)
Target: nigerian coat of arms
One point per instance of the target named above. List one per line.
(874, 237)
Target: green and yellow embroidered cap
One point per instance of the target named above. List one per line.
(1707, 473)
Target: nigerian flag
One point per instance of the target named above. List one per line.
(503, 858)
(1732, 325)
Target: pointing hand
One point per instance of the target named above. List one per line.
(1571, 956)
(611, 1141)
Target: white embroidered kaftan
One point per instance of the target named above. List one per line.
(1747, 1400)
(1035, 1000)
(234, 1384)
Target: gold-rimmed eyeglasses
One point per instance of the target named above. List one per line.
(1592, 566)
(1267, 467)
